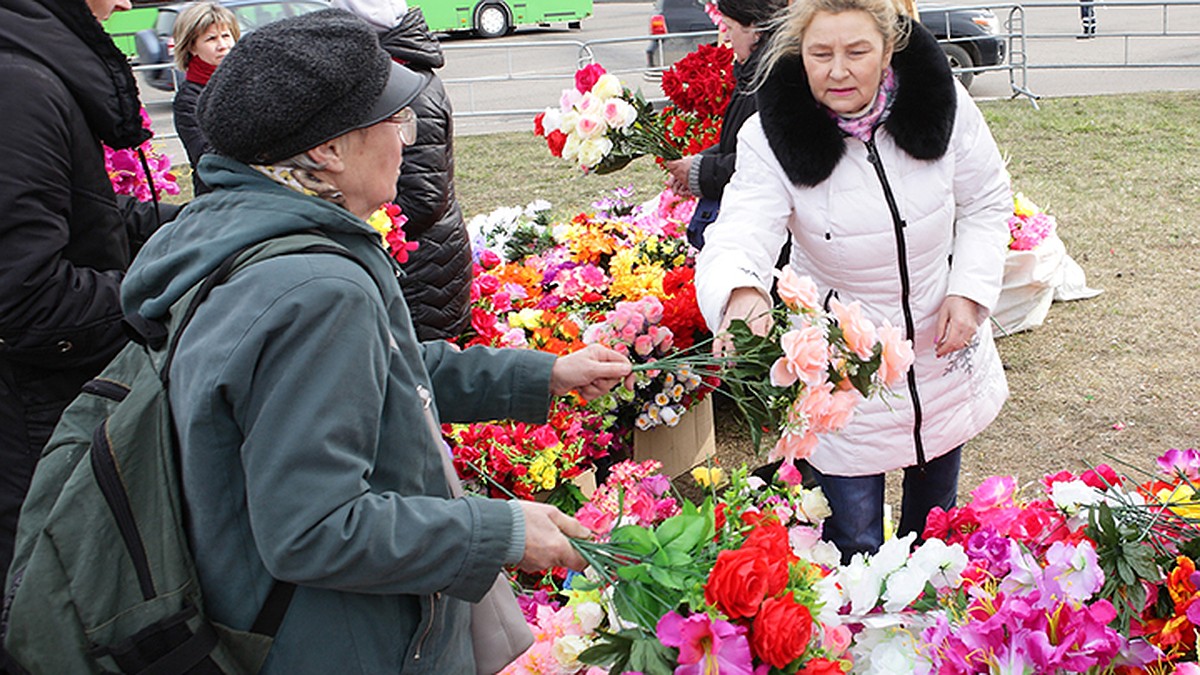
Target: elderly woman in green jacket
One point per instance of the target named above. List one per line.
(302, 398)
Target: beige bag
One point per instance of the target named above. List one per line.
(499, 632)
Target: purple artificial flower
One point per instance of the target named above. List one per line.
(705, 645)
(1072, 571)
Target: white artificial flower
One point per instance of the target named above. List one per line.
(589, 615)
(885, 651)
(590, 104)
(942, 563)
(570, 151)
(535, 207)
(567, 122)
(551, 119)
(567, 649)
(1069, 495)
(618, 114)
(830, 602)
(590, 125)
(902, 587)
(814, 505)
(607, 86)
(592, 150)
(860, 588)
(569, 99)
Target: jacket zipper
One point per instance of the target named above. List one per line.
(898, 225)
(426, 406)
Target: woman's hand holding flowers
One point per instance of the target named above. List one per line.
(748, 304)
(546, 538)
(592, 372)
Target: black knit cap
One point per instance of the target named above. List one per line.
(296, 83)
(751, 12)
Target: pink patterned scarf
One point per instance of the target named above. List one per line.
(863, 126)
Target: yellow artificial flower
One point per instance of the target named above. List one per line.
(543, 471)
(708, 476)
(1183, 500)
(381, 222)
(529, 318)
(1023, 206)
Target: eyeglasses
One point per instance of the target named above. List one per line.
(406, 119)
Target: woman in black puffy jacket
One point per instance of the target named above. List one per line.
(437, 281)
(204, 33)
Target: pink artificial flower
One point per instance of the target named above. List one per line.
(589, 126)
(805, 357)
(1175, 462)
(706, 645)
(897, 354)
(788, 473)
(796, 292)
(836, 639)
(858, 331)
(585, 77)
(793, 445)
(996, 491)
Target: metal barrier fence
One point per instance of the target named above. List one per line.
(481, 75)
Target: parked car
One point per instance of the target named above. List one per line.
(157, 46)
(969, 36)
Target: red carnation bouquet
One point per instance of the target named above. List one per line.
(700, 86)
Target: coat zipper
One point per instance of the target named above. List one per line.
(426, 406)
(898, 225)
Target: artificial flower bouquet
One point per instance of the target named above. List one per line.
(600, 125)
(806, 376)
(389, 222)
(1089, 573)
(128, 174)
(735, 585)
(620, 274)
(699, 86)
(1029, 225)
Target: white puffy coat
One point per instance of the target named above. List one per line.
(954, 207)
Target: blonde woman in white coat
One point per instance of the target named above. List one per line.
(877, 165)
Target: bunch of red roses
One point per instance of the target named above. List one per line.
(699, 86)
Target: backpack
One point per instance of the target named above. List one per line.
(103, 579)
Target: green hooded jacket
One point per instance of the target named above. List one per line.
(300, 395)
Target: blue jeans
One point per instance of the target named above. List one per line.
(856, 525)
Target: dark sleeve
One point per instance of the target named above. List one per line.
(187, 125)
(142, 219)
(425, 187)
(716, 168)
(47, 301)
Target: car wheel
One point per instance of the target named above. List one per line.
(575, 25)
(960, 58)
(491, 21)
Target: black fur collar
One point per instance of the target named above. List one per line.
(809, 144)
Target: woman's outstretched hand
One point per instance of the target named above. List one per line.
(592, 371)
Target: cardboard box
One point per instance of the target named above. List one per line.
(683, 446)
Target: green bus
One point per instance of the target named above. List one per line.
(493, 18)
(123, 25)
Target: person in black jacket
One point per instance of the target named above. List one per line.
(66, 238)
(204, 33)
(437, 281)
(746, 24)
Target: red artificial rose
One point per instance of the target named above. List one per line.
(822, 666)
(781, 631)
(1101, 478)
(556, 140)
(538, 129)
(739, 581)
(585, 77)
(772, 538)
(937, 524)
